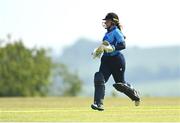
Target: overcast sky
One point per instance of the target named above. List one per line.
(58, 23)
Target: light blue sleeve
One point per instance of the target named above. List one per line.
(118, 36)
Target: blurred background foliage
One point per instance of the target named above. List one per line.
(28, 71)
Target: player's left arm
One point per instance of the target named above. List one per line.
(120, 41)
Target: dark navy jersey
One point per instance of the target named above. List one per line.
(116, 38)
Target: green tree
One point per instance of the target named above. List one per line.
(71, 83)
(24, 71)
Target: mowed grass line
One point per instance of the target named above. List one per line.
(78, 109)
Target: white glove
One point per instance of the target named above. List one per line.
(107, 47)
(104, 47)
(97, 52)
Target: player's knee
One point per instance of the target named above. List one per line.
(99, 78)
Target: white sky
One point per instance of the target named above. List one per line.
(58, 23)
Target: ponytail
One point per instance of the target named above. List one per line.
(119, 26)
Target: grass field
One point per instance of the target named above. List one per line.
(78, 109)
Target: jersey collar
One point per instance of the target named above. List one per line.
(112, 28)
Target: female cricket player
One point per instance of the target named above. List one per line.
(112, 63)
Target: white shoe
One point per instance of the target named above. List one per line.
(137, 103)
(97, 107)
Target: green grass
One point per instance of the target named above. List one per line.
(78, 109)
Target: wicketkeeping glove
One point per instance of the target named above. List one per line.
(97, 52)
(104, 47)
(107, 47)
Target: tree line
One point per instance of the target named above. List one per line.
(28, 71)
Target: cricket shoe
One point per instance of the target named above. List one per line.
(137, 102)
(97, 107)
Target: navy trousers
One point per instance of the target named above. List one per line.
(113, 65)
(110, 65)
